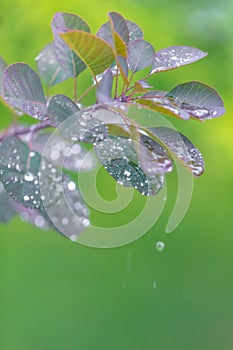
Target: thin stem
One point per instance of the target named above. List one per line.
(127, 87)
(116, 86)
(86, 92)
(75, 89)
(130, 79)
(21, 130)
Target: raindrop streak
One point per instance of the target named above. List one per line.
(160, 246)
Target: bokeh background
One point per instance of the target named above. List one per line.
(55, 294)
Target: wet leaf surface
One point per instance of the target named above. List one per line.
(23, 90)
(174, 57)
(60, 152)
(62, 202)
(119, 157)
(135, 31)
(153, 157)
(60, 108)
(19, 170)
(181, 147)
(199, 100)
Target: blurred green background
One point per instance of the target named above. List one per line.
(55, 294)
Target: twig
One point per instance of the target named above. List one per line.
(21, 130)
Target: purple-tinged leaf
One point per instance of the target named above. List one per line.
(111, 33)
(7, 209)
(141, 55)
(57, 150)
(23, 90)
(157, 101)
(49, 67)
(120, 34)
(36, 217)
(83, 126)
(135, 31)
(123, 66)
(120, 27)
(19, 168)
(104, 89)
(153, 157)
(62, 201)
(70, 62)
(174, 57)
(60, 108)
(3, 65)
(181, 147)
(95, 52)
(200, 101)
(119, 157)
(105, 33)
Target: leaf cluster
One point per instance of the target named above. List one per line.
(37, 161)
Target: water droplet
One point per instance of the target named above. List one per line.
(28, 177)
(76, 149)
(71, 186)
(26, 198)
(65, 221)
(160, 246)
(40, 221)
(85, 222)
(73, 238)
(55, 154)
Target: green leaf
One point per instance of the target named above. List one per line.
(19, 170)
(70, 62)
(200, 101)
(141, 86)
(96, 53)
(49, 67)
(23, 90)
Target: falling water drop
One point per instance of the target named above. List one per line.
(160, 246)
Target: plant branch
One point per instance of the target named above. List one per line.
(86, 92)
(21, 130)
